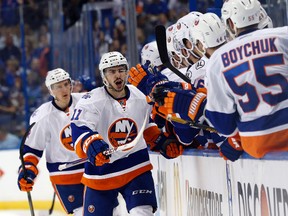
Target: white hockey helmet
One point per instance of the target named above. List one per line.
(182, 29)
(55, 76)
(265, 20)
(174, 55)
(150, 53)
(111, 59)
(209, 30)
(242, 13)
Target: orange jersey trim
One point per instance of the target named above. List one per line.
(67, 179)
(114, 182)
(258, 146)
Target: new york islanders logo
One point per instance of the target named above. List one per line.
(66, 138)
(122, 131)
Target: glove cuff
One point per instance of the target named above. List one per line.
(90, 140)
(29, 166)
(196, 106)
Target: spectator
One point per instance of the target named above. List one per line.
(7, 107)
(10, 50)
(9, 12)
(8, 140)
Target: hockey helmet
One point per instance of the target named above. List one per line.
(55, 76)
(265, 20)
(209, 30)
(150, 53)
(242, 13)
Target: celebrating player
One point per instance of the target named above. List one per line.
(108, 117)
(52, 133)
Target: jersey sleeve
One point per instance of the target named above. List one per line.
(220, 110)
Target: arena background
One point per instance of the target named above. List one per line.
(73, 35)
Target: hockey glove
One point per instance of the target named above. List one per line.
(231, 149)
(161, 142)
(138, 77)
(154, 81)
(187, 103)
(171, 149)
(94, 147)
(161, 89)
(25, 183)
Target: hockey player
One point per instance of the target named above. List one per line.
(52, 133)
(146, 76)
(247, 83)
(208, 34)
(107, 117)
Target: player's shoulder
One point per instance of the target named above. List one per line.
(94, 96)
(42, 111)
(77, 96)
(277, 31)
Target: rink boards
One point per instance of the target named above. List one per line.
(199, 183)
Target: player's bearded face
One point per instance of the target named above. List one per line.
(116, 78)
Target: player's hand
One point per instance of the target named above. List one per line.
(231, 149)
(95, 152)
(155, 80)
(167, 145)
(138, 77)
(172, 149)
(187, 103)
(160, 90)
(26, 183)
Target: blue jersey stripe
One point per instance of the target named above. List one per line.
(222, 122)
(265, 122)
(133, 159)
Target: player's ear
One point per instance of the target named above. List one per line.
(231, 25)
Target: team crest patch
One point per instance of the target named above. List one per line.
(87, 95)
(66, 138)
(71, 198)
(91, 208)
(122, 131)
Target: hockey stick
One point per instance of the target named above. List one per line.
(52, 205)
(24, 169)
(109, 151)
(160, 33)
(191, 123)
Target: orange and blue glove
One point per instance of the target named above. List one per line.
(25, 183)
(94, 146)
(138, 77)
(189, 104)
(166, 144)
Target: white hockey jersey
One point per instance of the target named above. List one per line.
(52, 133)
(196, 73)
(172, 76)
(99, 112)
(248, 91)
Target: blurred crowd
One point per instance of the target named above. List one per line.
(109, 34)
